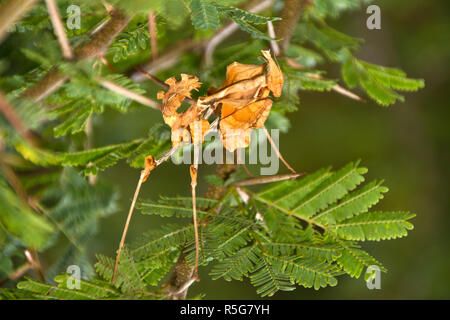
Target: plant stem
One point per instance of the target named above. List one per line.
(59, 29)
(152, 31)
(290, 14)
(95, 47)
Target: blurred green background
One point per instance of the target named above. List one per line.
(406, 144)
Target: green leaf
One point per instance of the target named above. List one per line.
(237, 266)
(375, 226)
(18, 220)
(268, 276)
(356, 202)
(244, 15)
(379, 81)
(246, 20)
(308, 272)
(204, 15)
(353, 260)
(304, 201)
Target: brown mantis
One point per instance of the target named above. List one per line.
(242, 103)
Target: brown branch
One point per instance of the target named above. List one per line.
(166, 60)
(187, 7)
(152, 31)
(17, 274)
(59, 29)
(161, 83)
(14, 181)
(155, 79)
(337, 88)
(33, 260)
(273, 43)
(267, 179)
(129, 94)
(30, 254)
(180, 279)
(95, 47)
(290, 14)
(10, 11)
(13, 118)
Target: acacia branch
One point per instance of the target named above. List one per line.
(95, 47)
(166, 60)
(173, 54)
(337, 88)
(153, 35)
(13, 118)
(290, 14)
(129, 94)
(10, 11)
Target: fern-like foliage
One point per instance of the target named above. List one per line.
(36, 231)
(205, 15)
(84, 97)
(291, 233)
(379, 82)
(307, 232)
(98, 159)
(130, 43)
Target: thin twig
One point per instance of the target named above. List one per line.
(246, 170)
(107, 64)
(30, 254)
(153, 78)
(95, 47)
(166, 60)
(13, 180)
(347, 93)
(277, 151)
(10, 11)
(88, 145)
(267, 179)
(128, 93)
(33, 260)
(337, 88)
(153, 35)
(273, 43)
(187, 7)
(160, 83)
(18, 273)
(59, 29)
(13, 118)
